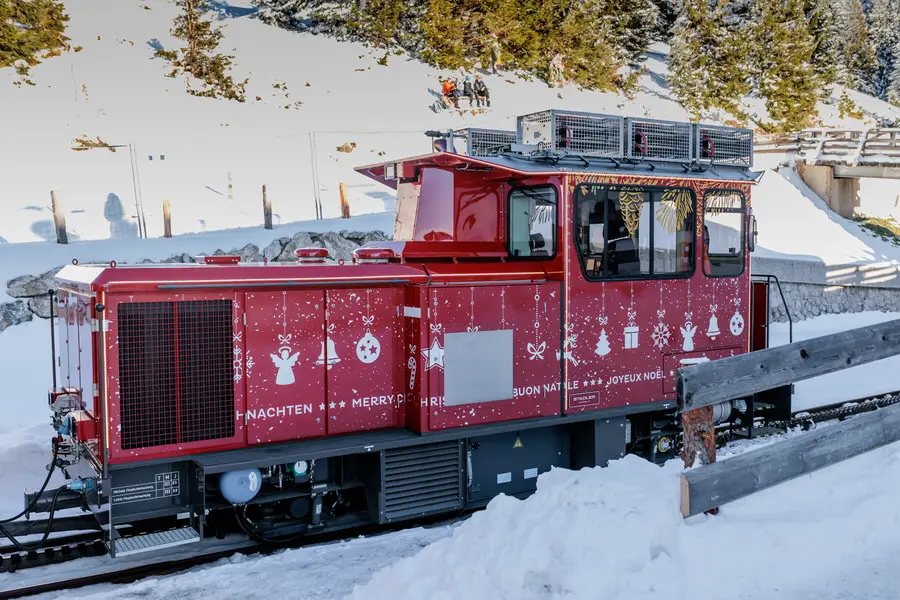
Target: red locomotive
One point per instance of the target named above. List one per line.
(541, 290)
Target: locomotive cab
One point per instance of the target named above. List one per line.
(540, 292)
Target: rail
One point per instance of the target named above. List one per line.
(836, 146)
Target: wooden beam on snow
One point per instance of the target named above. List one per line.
(712, 485)
(740, 376)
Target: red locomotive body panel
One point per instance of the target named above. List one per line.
(285, 381)
(175, 374)
(365, 385)
(625, 338)
(532, 311)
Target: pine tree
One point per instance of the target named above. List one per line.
(198, 61)
(856, 56)
(667, 12)
(893, 91)
(823, 27)
(884, 32)
(31, 30)
(707, 59)
(784, 65)
(590, 59)
(630, 25)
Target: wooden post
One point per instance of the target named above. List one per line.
(167, 219)
(345, 203)
(59, 219)
(267, 209)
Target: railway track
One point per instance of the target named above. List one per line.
(84, 545)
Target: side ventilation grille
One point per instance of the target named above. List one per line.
(175, 372)
(421, 481)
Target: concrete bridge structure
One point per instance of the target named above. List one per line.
(833, 160)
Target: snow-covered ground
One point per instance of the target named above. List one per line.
(114, 89)
(617, 529)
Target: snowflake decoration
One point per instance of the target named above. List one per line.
(660, 335)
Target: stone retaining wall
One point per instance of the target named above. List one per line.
(812, 288)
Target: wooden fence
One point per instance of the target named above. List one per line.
(702, 386)
(878, 146)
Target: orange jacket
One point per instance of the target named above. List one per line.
(449, 87)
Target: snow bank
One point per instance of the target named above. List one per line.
(617, 533)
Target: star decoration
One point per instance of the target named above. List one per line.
(342, 404)
(321, 407)
(331, 405)
(434, 356)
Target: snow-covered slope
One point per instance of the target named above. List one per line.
(794, 221)
(114, 89)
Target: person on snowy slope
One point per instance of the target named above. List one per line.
(450, 93)
(482, 94)
(468, 91)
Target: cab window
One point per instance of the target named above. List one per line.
(533, 222)
(634, 232)
(723, 233)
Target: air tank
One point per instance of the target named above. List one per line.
(241, 486)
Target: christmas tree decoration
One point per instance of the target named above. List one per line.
(677, 204)
(661, 333)
(568, 343)
(689, 329)
(328, 356)
(472, 326)
(632, 202)
(736, 325)
(713, 329)
(603, 348)
(284, 361)
(536, 350)
(368, 349)
(632, 329)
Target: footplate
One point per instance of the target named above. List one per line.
(155, 541)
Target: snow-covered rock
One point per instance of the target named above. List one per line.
(14, 313)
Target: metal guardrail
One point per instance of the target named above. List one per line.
(844, 146)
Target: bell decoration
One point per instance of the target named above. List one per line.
(713, 330)
(331, 358)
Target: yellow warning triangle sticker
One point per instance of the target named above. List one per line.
(518, 443)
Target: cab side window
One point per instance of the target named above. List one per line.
(533, 222)
(634, 232)
(723, 233)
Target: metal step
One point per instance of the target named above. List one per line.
(155, 541)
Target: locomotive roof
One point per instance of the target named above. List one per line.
(224, 276)
(518, 164)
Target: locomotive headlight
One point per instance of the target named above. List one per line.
(300, 467)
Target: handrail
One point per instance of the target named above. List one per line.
(787, 309)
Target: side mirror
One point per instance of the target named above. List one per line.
(754, 232)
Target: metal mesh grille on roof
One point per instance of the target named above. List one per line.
(724, 145)
(486, 142)
(585, 134)
(659, 140)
